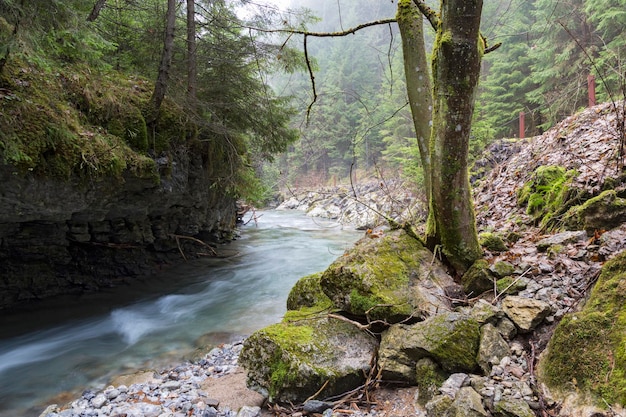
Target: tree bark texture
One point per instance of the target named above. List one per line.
(418, 84)
(192, 78)
(160, 87)
(456, 69)
(95, 11)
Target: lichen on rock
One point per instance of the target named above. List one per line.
(389, 278)
(306, 354)
(450, 339)
(587, 353)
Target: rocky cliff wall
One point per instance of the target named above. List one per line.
(60, 236)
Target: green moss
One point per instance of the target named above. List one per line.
(492, 242)
(587, 350)
(510, 286)
(548, 195)
(459, 349)
(429, 378)
(602, 212)
(307, 292)
(376, 272)
(478, 278)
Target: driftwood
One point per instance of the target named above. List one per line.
(193, 239)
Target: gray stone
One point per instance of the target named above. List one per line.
(247, 411)
(99, 400)
(526, 313)
(561, 239)
(492, 348)
(511, 407)
(468, 403)
(440, 406)
(453, 384)
(507, 329)
(316, 406)
(290, 361)
(450, 339)
(485, 312)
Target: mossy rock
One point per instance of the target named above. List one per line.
(478, 278)
(429, 377)
(549, 194)
(587, 353)
(510, 285)
(492, 242)
(307, 354)
(388, 278)
(502, 269)
(307, 292)
(602, 212)
(449, 339)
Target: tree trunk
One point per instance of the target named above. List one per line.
(160, 87)
(192, 78)
(95, 12)
(418, 83)
(456, 69)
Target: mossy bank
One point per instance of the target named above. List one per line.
(88, 194)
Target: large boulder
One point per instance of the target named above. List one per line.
(586, 355)
(306, 354)
(450, 339)
(388, 278)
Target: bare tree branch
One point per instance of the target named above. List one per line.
(329, 34)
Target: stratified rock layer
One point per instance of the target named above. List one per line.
(59, 236)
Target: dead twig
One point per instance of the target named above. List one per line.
(193, 239)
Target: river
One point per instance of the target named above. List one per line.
(59, 347)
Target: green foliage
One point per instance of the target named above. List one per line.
(508, 78)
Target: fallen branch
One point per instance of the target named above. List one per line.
(193, 239)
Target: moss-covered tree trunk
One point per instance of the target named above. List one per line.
(417, 77)
(456, 69)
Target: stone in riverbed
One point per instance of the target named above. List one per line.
(292, 360)
(390, 278)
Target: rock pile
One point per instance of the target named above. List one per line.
(362, 206)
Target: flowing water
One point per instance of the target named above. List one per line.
(76, 342)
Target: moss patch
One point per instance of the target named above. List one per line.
(307, 292)
(478, 278)
(588, 349)
(377, 277)
(548, 195)
(78, 122)
(602, 212)
(492, 242)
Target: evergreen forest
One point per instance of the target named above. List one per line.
(238, 77)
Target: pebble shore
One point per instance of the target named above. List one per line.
(170, 393)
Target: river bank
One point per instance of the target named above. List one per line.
(77, 342)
